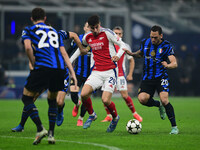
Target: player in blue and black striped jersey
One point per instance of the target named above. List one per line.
(82, 70)
(61, 94)
(48, 59)
(157, 52)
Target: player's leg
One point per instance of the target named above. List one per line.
(129, 103)
(25, 115)
(108, 117)
(146, 92)
(52, 113)
(87, 102)
(32, 111)
(55, 84)
(61, 104)
(108, 88)
(93, 82)
(81, 81)
(169, 111)
(106, 98)
(75, 97)
(82, 114)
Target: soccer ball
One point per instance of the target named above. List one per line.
(133, 126)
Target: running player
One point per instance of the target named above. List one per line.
(103, 75)
(156, 52)
(82, 70)
(121, 80)
(48, 60)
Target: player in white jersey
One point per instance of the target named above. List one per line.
(121, 80)
(102, 42)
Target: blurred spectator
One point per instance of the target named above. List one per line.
(186, 67)
(11, 83)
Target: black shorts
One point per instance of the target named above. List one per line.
(81, 80)
(45, 78)
(150, 86)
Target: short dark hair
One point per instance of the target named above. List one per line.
(118, 28)
(93, 20)
(38, 14)
(156, 28)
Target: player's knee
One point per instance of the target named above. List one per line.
(60, 103)
(142, 99)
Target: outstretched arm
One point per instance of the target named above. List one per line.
(74, 36)
(137, 54)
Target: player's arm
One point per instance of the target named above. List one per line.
(29, 51)
(77, 53)
(137, 54)
(30, 65)
(69, 65)
(116, 40)
(76, 39)
(173, 62)
(131, 69)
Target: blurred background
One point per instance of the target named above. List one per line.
(179, 19)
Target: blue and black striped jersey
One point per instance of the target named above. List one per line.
(82, 63)
(153, 56)
(46, 42)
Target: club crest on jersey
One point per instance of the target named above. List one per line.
(153, 53)
(90, 40)
(160, 50)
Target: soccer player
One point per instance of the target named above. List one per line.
(103, 75)
(82, 70)
(61, 94)
(121, 80)
(156, 52)
(48, 60)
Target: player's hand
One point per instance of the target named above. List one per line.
(127, 52)
(165, 64)
(129, 77)
(115, 58)
(84, 51)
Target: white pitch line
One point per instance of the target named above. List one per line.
(66, 141)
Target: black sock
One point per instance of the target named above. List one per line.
(170, 113)
(60, 109)
(24, 117)
(32, 111)
(83, 111)
(52, 113)
(151, 102)
(74, 97)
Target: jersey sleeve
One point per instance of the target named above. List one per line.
(84, 42)
(142, 45)
(64, 34)
(116, 40)
(170, 51)
(25, 34)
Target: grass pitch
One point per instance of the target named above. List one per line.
(154, 135)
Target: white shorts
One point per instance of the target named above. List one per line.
(121, 84)
(104, 79)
